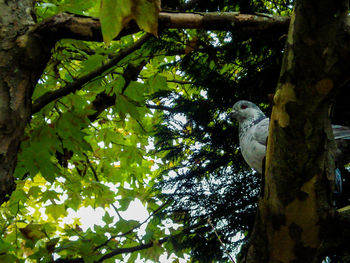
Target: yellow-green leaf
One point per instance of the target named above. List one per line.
(146, 15)
(56, 211)
(114, 14)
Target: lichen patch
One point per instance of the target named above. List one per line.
(291, 29)
(283, 95)
(304, 214)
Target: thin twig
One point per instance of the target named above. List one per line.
(222, 244)
(91, 167)
(132, 249)
(116, 210)
(132, 229)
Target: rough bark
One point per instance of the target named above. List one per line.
(22, 59)
(295, 215)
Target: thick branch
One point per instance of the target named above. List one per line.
(86, 28)
(225, 21)
(77, 84)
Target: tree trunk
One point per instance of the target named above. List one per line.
(295, 212)
(22, 59)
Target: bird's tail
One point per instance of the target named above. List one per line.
(338, 182)
(341, 132)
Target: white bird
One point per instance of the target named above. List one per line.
(253, 132)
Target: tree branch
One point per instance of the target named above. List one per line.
(132, 249)
(117, 251)
(77, 84)
(91, 167)
(65, 25)
(230, 21)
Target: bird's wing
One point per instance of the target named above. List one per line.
(261, 131)
(341, 132)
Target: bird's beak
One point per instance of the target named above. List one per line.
(233, 115)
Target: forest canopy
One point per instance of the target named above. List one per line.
(129, 102)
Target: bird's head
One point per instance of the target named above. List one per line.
(246, 110)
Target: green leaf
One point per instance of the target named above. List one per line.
(8, 258)
(56, 211)
(108, 135)
(47, 168)
(157, 82)
(34, 191)
(36, 154)
(74, 200)
(91, 63)
(49, 195)
(69, 127)
(133, 257)
(154, 252)
(125, 105)
(146, 14)
(77, 6)
(125, 202)
(107, 218)
(19, 196)
(136, 91)
(4, 247)
(116, 86)
(123, 226)
(114, 14)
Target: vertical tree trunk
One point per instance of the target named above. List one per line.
(22, 59)
(293, 214)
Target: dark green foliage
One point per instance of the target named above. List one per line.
(206, 177)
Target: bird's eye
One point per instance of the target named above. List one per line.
(243, 106)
